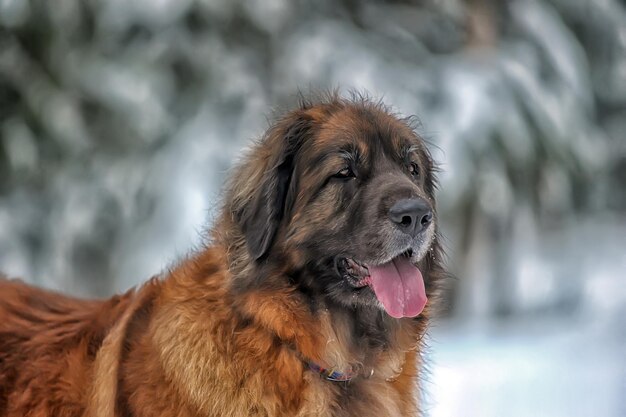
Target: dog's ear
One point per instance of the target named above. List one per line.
(260, 217)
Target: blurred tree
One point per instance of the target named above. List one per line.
(118, 118)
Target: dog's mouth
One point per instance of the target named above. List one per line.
(355, 273)
(397, 284)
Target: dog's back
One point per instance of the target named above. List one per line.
(46, 339)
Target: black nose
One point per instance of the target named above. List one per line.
(411, 215)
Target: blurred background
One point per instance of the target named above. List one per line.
(120, 118)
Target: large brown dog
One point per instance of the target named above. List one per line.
(310, 299)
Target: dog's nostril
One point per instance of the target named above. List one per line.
(406, 221)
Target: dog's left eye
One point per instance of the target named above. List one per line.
(413, 169)
(345, 173)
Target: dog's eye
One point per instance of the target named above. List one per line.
(345, 173)
(413, 169)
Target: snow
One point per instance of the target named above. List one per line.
(556, 368)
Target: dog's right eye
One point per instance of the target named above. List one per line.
(345, 173)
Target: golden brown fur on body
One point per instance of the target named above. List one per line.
(228, 332)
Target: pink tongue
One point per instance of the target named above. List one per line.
(399, 286)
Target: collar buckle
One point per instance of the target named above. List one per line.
(332, 374)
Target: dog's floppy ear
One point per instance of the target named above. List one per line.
(260, 217)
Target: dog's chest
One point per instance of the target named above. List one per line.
(364, 398)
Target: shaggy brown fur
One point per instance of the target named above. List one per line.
(229, 331)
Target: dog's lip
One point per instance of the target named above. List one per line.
(408, 252)
(356, 273)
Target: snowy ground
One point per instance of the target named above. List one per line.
(539, 368)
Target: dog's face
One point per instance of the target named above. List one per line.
(353, 205)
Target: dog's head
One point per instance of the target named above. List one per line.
(340, 195)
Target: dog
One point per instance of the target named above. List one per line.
(311, 296)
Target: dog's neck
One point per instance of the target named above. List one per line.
(272, 331)
(359, 341)
(363, 339)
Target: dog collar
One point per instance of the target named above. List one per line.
(332, 374)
